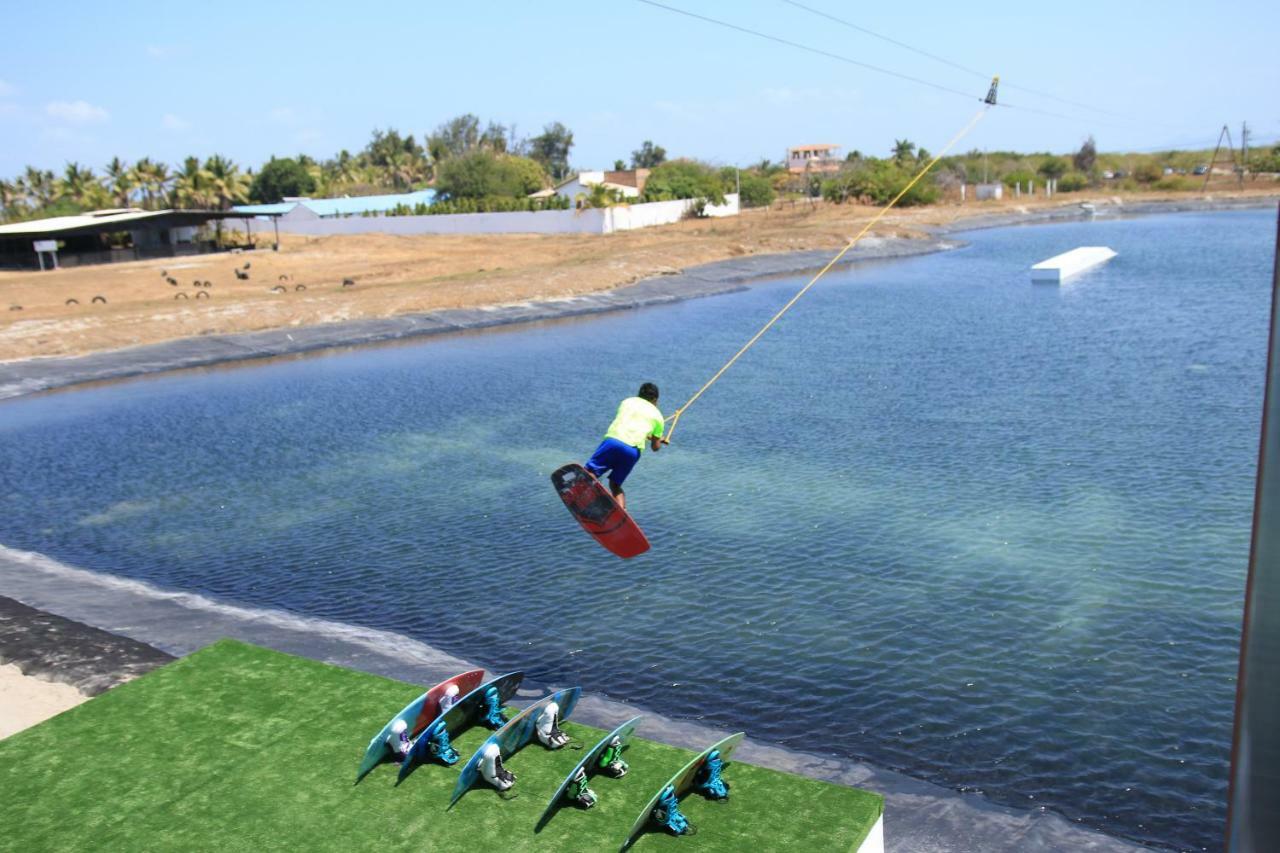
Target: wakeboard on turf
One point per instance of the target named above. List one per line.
(417, 715)
(682, 782)
(589, 763)
(514, 736)
(459, 718)
(591, 504)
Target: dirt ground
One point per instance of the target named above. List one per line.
(398, 275)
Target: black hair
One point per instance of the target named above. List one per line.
(649, 391)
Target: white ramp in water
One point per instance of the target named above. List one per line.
(1067, 264)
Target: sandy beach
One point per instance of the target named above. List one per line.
(26, 700)
(301, 285)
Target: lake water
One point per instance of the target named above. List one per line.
(939, 519)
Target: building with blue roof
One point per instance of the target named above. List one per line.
(292, 209)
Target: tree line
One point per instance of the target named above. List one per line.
(477, 165)
(390, 162)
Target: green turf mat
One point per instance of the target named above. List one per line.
(241, 748)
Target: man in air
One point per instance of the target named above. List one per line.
(638, 422)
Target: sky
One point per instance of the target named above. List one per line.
(86, 82)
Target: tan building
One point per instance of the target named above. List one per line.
(813, 158)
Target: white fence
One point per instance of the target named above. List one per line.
(604, 220)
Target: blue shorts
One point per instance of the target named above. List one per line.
(616, 458)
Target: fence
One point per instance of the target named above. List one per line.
(603, 220)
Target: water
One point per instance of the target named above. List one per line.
(939, 519)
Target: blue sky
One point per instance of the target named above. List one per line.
(87, 82)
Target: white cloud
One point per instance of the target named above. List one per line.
(161, 51)
(7, 89)
(75, 112)
(308, 136)
(283, 115)
(175, 123)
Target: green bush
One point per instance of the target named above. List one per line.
(1018, 176)
(1072, 182)
(757, 190)
(280, 177)
(491, 204)
(880, 181)
(677, 179)
(1148, 173)
(1053, 167)
(483, 174)
(1175, 183)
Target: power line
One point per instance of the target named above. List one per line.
(805, 47)
(946, 61)
(849, 60)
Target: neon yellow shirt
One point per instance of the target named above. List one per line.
(637, 419)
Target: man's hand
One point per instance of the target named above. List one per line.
(656, 443)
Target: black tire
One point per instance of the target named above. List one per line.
(72, 301)
(98, 299)
(180, 295)
(279, 289)
(299, 287)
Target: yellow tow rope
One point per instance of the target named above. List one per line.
(988, 102)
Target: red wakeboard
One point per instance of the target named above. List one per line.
(599, 514)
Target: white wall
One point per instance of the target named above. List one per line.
(594, 221)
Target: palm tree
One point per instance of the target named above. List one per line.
(229, 184)
(8, 197)
(160, 183)
(193, 186)
(903, 150)
(338, 173)
(79, 184)
(403, 169)
(42, 187)
(121, 181)
(142, 178)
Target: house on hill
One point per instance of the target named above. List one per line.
(813, 158)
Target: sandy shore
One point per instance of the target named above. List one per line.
(49, 664)
(26, 700)
(55, 313)
(607, 284)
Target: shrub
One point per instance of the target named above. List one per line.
(880, 181)
(1072, 182)
(678, 179)
(1175, 183)
(1019, 176)
(1053, 167)
(757, 190)
(483, 174)
(1148, 173)
(280, 177)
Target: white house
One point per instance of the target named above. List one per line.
(629, 183)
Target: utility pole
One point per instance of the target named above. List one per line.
(1225, 132)
(1244, 150)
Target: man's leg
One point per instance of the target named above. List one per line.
(618, 494)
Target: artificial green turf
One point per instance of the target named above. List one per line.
(241, 748)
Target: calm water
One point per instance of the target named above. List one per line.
(940, 519)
